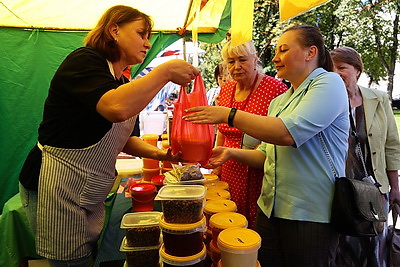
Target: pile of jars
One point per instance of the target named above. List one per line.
(182, 225)
(142, 241)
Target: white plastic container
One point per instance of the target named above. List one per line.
(142, 228)
(182, 203)
(154, 122)
(141, 256)
(239, 247)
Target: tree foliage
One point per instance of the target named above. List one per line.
(369, 26)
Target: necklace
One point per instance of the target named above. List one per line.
(248, 97)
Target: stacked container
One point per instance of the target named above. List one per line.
(143, 239)
(183, 225)
(151, 167)
(239, 247)
(166, 165)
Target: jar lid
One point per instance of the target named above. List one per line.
(158, 179)
(219, 205)
(220, 264)
(211, 177)
(181, 192)
(183, 228)
(165, 144)
(124, 247)
(150, 137)
(216, 184)
(164, 136)
(142, 188)
(239, 240)
(140, 219)
(224, 220)
(182, 261)
(217, 193)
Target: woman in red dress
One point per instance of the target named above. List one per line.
(251, 91)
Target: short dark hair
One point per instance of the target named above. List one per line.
(348, 55)
(311, 35)
(100, 37)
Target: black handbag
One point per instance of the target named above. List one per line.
(357, 208)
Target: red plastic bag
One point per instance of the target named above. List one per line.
(195, 141)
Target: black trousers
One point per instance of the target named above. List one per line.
(295, 243)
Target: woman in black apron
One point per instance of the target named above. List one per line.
(89, 117)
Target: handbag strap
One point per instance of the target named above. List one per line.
(358, 144)
(334, 171)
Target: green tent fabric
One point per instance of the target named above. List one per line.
(29, 60)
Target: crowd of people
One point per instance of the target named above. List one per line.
(268, 146)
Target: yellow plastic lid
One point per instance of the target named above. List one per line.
(165, 144)
(217, 193)
(183, 228)
(221, 265)
(220, 205)
(164, 136)
(211, 177)
(216, 184)
(239, 240)
(150, 137)
(224, 220)
(182, 261)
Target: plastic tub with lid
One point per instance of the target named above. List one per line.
(215, 253)
(158, 181)
(211, 177)
(220, 264)
(216, 184)
(239, 247)
(224, 220)
(220, 205)
(196, 260)
(183, 239)
(182, 203)
(217, 193)
(150, 163)
(143, 195)
(142, 228)
(141, 256)
(151, 139)
(147, 174)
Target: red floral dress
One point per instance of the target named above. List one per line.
(244, 182)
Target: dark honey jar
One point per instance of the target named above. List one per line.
(183, 239)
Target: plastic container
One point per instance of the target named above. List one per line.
(224, 220)
(182, 203)
(154, 122)
(164, 137)
(220, 205)
(158, 181)
(211, 177)
(239, 247)
(215, 253)
(142, 228)
(196, 260)
(183, 240)
(151, 139)
(220, 264)
(143, 195)
(150, 163)
(165, 143)
(216, 184)
(141, 256)
(149, 173)
(207, 237)
(217, 193)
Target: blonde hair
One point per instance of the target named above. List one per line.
(244, 49)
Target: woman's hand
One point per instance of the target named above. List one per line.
(179, 71)
(166, 155)
(219, 156)
(207, 114)
(217, 171)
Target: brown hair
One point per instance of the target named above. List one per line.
(348, 55)
(310, 36)
(100, 37)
